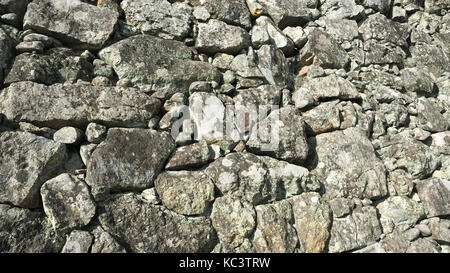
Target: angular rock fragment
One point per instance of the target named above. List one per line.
(323, 118)
(380, 28)
(68, 135)
(6, 52)
(129, 159)
(26, 231)
(104, 243)
(233, 219)
(435, 194)
(233, 12)
(75, 23)
(76, 105)
(399, 210)
(192, 156)
(429, 117)
(168, 64)
(148, 228)
(354, 231)
(184, 192)
(312, 221)
(27, 161)
(348, 166)
(67, 202)
(78, 242)
(160, 18)
(288, 12)
(329, 87)
(216, 36)
(274, 231)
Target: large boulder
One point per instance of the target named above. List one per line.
(27, 161)
(147, 228)
(62, 105)
(330, 87)
(168, 64)
(289, 12)
(129, 159)
(435, 195)
(348, 166)
(380, 28)
(75, 23)
(233, 12)
(160, 18)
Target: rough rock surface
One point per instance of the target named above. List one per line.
(238, 126)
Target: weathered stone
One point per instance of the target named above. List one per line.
(184, 192)
(78, 242)
(288, 12)
(67, 202)
(275, 35)
(62, 105)
(380, 28)
(435, 194)
(95, 132)
(297, 35)
(105, 243)
(68, 135)
(160, 18)
(273, 65)
(341, 9)
(234, 12)
(167, 64)
(26, 231)
(32, 47)
(399, 210)
(354, 231)
(285, 137)
(429, 117)
(57, 65)
(322, 49)
(382, 53)
(312, 221)
(75, 23)
(341, 206)
(430, 56)
(27, 161)
(148, 228)
(216, 36)
(323, 118)
(129, 159)
(6, 52)
(274, 231)
(440, 230)
(418, 80)
(192, 156)
(233, 219)
(441, 142)
(348, 166)
(330, 87)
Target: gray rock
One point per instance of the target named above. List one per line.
(382, 53)
(341, 206)
(440, 230)
(192, 156)
(273, 65)
(330, 87)
(322, 49)
(151, 195)
(76, 105)
(105, 243)
(48, 42)
(26, 231)
(166, 64)
(357, 230)
(160, 18)
(276, 36)
(32, 47)
(95, 132)
(348, 166)
(185, 192)
(341, 9)
(323, 118)
(233, 219)
(430, 56)
(67, 202)
(418, 80)
(435, 194)
(291, 140)
(380, 28)
(297, 35)
(86, 152)
(27, 162)
(129, 159)
(312, 221)
(216, 36)
(288, 12)
(429, 117)
(234, 12)
(89, 29)
(399, 210)
(441, 142)
(274, 231)
(6, 52)
(13, 6)
(78, 242)
(382, 6)
(57, 65)
(68, 135)
(148, 228)
(341, 29)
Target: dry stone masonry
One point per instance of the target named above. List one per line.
(109, 111)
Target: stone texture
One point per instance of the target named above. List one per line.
(329, 87)
(191, 156)
(27, 161)
(399, 210)
(434, 193)
(76, 105)
(148, 228)
(67, 202)
(75, 23)
(348, 166)
(288, 12)
(78, 242)
(185, 192)
(129, 159)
